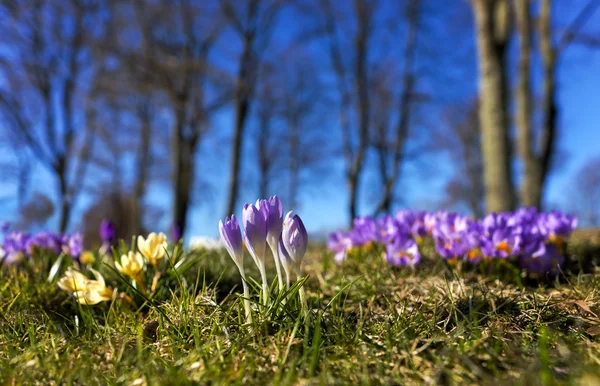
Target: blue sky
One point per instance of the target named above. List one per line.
(323, 206)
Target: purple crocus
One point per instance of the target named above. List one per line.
(340, 243)
(293, 244)
(295, 239)
(108, 232)
(254, 218)
(418, 228)
(500, 239)
(547, 259)
(557, 227)
(176, 232)
(73, 245)
(274, 220)
(403, 252)
(232, 238)
(274, 227)
(449, 235)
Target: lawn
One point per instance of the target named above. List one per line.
(369, 323)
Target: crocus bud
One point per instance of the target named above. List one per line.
(176, 234)
(254, 218)
(294, 238)
(285, 259)
(108, 232)
(232, 238)
(274, 221)
(153, 247)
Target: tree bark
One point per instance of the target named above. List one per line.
(362, 80)
(294, 164)
(264, 159)
(524, 108)
(65, 207)
(492, 20)
(549, 103)
(242, 107)
(184, 170)
(139, 189)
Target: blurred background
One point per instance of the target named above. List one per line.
(155, 113)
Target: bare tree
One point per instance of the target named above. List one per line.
(351, 79)
(46, 64)
(391, 156)
(537, 155)
(172, 57)
(252, 21)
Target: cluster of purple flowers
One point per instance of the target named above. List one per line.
(536, 239)
(18, 245)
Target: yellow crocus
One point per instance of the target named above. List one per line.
(131, 264)
(153, 247)
(86, 291)
(87, 257)
(73, 281)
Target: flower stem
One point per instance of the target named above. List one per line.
(246, 298)
(265, 285)
(301, 292)
(277, 266)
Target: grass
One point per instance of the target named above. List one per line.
(369, 324)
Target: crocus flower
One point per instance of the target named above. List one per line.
(254, 218)
(293, 244)
(108, 232)
(499, 238)
(131, 264)
(340, 243)
(153, 247)
(86, 257)
(176, 232)
(231, 235)
(295, 240)
(73, 281)
(85, 290)
(402, 252)
(557, 227)
(546, 259)
(13, 258)
(450, 236)
(73, 245)
(274, 226)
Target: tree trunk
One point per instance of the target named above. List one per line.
(294, 164)
(492, 19)
(524, 108)
(65, 208)
(362, 81)
(184, 172)
(139, 189)
(264, 157)
(549, 103)
(242, 106)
